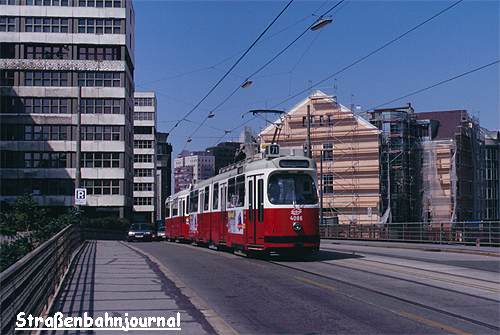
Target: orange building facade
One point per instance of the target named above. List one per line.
(350, 147)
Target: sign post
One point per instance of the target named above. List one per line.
(80, 196)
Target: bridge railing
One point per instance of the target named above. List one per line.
(476, 233)
(30, 284)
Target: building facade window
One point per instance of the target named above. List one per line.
(46, 24)
(144, 101)
(143, 187)
(101, 106)
(143, 144)
(47, 2)
(141, 201)
(9, 2)
(328, 151)
(143, 158)
(143, 130)
(45, 133)
(7, 23)
(100, 3)
(7, 50)
(6, 77)
(327, 183)
(45, 160)
(46, 78)
(144, 116)
(143, 172)
(34, 51)
(99, 79)
(99, 53)
(102, 186)
(100, 133)
(99, 26)
(101, 159)
(46, 105)
(56, 187)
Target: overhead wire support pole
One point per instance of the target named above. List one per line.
(309, 149)
(233, 66)
(78, 172)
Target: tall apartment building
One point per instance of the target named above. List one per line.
(350, 148)
(163, 173)
(192, 166)
(144, 157)
(52, 52)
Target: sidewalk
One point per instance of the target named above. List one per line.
(110, 277)
(457, 248)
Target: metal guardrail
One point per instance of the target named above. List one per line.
(467, 233)
(29, 284)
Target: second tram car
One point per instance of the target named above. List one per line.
(267, 205)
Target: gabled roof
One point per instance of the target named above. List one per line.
(321, 95)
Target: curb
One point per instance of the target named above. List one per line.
(217, 322)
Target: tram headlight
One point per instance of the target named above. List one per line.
(297, 226)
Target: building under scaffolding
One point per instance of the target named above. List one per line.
(350, 148)
(399, 164)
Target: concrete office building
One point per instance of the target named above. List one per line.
(144, 157)
(163, 173)
(48, 49)
(190, 167)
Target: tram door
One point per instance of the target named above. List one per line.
(255, 217)
(223, 211)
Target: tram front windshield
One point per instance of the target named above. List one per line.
(290, 188)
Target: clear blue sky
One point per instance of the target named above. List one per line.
(176, 37)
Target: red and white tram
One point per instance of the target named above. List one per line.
(268, 204)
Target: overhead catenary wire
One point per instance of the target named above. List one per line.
(224, 60)
(232, 67)
(415, 92)
(262, 67)
(371, 53)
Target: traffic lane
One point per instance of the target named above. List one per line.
(443, 294)
(470, 261)
(254, 296)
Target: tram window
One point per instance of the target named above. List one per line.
(236, 192)
(240, 190)
(201, 202)
(167, 210)
(193, 202)
(175, 208)
(206, 201)
(215, 197)
(260, 199)
(287, 188)
(231, 192)
(187, 205)
(181, 207)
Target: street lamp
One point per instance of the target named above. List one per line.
(320, 23)
(247, 83)
(211, 115)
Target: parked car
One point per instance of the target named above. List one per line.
(160, 231)
(140, 232)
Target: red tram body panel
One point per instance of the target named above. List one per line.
(267, 204)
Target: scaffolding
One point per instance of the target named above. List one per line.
(350, 147)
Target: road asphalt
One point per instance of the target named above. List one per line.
(347, 288)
